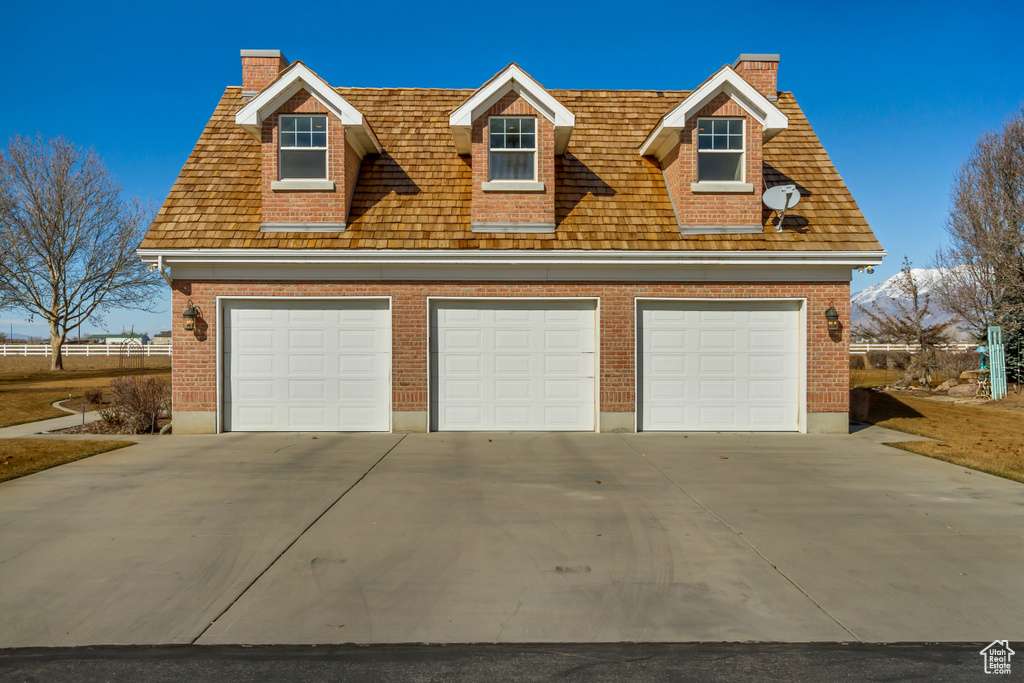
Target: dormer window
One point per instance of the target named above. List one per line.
(303, 152)
(720, 150)
(513, 148)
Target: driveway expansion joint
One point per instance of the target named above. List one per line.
(744, 540)
(295, 540)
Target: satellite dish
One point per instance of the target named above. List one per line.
(781, 198)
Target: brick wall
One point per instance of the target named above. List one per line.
(762, 75)
(513, 207)
(680, 169)
(194, 369)
(258, 72)
(342, 167)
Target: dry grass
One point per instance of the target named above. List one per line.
(26, 397)
(19, 457)
(884, 378)
(989, 438)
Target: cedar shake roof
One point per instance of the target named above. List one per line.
(416, 195)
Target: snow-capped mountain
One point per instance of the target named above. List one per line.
(885, 294)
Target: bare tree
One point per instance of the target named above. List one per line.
(907, 324)
(985, 226)
(68, 238)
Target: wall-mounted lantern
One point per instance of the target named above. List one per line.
(189, 315)
(832, 317)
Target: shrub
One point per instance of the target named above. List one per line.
(953, 363)
(857, 362)
(876, 359)
(93, 395)
(137, 402)
(897, 360)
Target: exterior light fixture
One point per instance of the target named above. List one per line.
(832, 317)
(189, 315)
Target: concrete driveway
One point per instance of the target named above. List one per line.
(287, 538)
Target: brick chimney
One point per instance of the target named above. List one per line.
(259, 68)
(762, 71)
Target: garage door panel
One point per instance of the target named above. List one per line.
(717, 340)
(513, 340)
(717, 317)
(722, 366)
(513, 389)
(767, 340)
(462, 364)
(251, 363)
(711, 365)
(462, 340)
(469, 389)
(717, 390)
(249, 416)
(307, 365)
(299, 340)
(528, 358)
(511, 315)
(513, 365)
(569, 365)
(255, 340)
(562, 417)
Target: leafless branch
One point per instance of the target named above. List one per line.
(68, 238)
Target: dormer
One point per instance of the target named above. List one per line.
(312, 141)
(710, 148)
(511, 129)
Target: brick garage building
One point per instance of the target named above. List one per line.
(509, 258)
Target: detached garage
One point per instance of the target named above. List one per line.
(720, 365)
(306, 365)
(512, 364)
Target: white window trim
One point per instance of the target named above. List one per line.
(743, 154)
(496, 184)
(326, 149)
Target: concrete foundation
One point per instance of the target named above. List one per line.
(194, 422)
(414, 422)
(828, 423)
(618, 422)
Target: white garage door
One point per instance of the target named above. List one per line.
(307, 365)
(513, 365)
(720, 366)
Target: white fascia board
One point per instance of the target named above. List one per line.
(449, 257)
(661, 141)
(511, 79)
(252, 115)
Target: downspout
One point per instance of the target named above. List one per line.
(162, 268)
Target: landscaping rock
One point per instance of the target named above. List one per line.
(969, 374)
(963, 390)
(947, 385)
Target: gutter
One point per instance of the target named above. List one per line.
(451, 257)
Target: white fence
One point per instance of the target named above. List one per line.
(912, 348)
(83, 350)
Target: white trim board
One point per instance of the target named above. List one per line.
(665, 136)
(295, 78)
(510, 79)
(453, 257)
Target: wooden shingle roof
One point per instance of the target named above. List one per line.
(416, 195)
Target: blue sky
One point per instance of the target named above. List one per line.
(897, 92)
